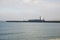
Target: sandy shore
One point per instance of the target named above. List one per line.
(55, 39)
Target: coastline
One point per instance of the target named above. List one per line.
(37, 21)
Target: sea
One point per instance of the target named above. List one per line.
(29, 31)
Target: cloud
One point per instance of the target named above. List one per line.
(45, 8)
(26, 1)
(33, 3)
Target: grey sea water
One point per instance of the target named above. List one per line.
(29, 31)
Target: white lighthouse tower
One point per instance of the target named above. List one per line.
(42, 18)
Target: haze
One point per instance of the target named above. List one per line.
(29, 9)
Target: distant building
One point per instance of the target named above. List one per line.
(37, 20)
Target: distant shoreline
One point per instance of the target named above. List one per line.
(40, 20)
(37, 21)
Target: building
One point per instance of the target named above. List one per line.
(41, 19)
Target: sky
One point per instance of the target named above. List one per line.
(29, 9)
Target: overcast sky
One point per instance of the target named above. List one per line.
(29, 9)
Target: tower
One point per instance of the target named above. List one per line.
(40, 17)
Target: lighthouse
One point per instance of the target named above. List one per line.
(42, 18)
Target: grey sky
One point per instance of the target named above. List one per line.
(29, 9)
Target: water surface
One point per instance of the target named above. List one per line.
(29, 31)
